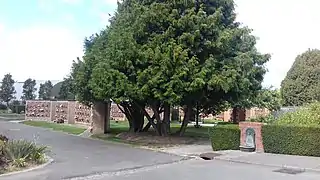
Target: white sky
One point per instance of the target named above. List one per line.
(285, 29)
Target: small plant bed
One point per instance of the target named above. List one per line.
(67, 128)
(16, 155)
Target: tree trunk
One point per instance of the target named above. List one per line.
(234, 115)
(151, 120)
(159, 128)
(147, 127)
(166, 119)
(186, 118)
(134, 115)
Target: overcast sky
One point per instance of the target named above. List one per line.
(40, 38)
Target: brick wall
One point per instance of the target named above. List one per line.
(258, 136)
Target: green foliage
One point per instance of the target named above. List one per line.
(171, 52)
(7, 90)
(17, 108)
(3, 138)
(21, 152)
(3, 107)
(45, 90)
(29, 89)
(268, 98)
(293, 140)
(225, 137)
(301, 85)
(307, 115)
(66, 91)
(263, 119)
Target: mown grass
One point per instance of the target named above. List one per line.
(70, 129)
(191, 131)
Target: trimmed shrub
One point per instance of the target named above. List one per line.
(17, 108)
(225, 137)
(3, 107)
(293, 140)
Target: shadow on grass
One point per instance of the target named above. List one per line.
(119, 133)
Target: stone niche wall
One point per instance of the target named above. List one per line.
(67, 111)
(75, 112)
(116, 113)
(38, 110)
(82, 113)
(60, 111)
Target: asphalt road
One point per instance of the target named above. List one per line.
(79, 158)
(76, 156)
(210, 170)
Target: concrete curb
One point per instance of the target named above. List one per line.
(17, 121)
(268, 165)
(49, 161)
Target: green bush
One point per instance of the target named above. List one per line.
(19, 154)
(3, 107)
(308, 115)
(293, 140)
(263, 119)
(225, 137)
(17, 108)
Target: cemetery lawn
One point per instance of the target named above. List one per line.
(119, 133)
(70, 129)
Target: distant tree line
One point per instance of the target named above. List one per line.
(29, 91)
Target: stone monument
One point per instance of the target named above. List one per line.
(250, 144)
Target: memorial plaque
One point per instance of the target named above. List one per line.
(250, 138)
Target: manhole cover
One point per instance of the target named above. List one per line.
(289, 171)
(209, 156)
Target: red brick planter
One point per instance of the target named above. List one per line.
(258, 136)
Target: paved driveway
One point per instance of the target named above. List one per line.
(76, 157)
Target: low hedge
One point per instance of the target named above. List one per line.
(293, 140)
(225, 137)
(17, 108)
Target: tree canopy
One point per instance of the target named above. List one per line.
(29, 89)
(159, 54)
(301, 84)
(45, 90)
(7, 90)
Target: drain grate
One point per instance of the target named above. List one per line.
(289, 171)
(209, 156)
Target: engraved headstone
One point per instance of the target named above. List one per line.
(250, 138)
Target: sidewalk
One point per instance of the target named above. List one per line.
(274, 160)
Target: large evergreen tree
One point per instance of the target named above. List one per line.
(45, 90)
(29, 89)
(165, 53)
(301, 84)
(7, 90)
